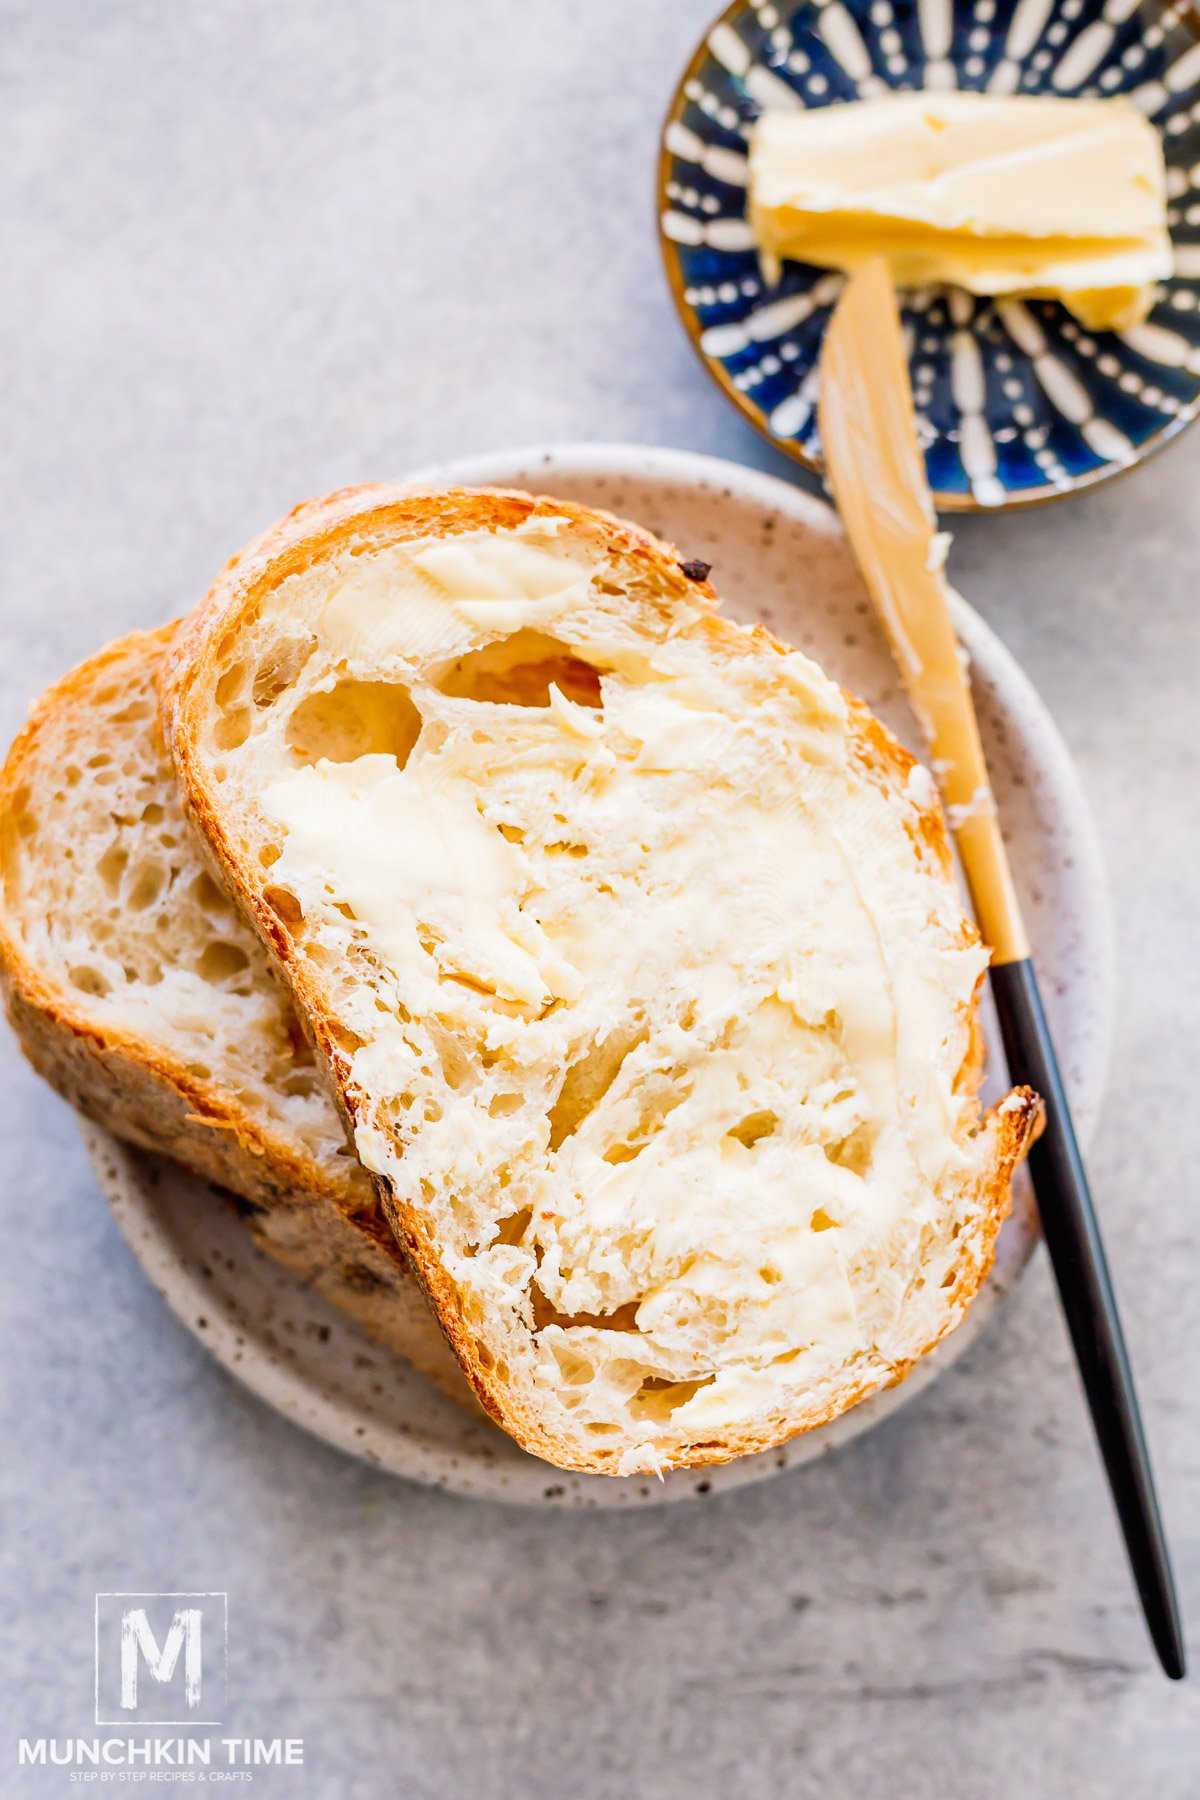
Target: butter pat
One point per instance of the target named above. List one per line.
(997, 195)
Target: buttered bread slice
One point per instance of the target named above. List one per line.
(635, 949)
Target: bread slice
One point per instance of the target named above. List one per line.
(140, 993)
(636, 951)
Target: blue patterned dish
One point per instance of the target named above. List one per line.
(1017, 402)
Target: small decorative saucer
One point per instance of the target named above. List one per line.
(1017, 402)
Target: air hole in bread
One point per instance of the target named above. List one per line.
(575, 1369)
(457, 1069)
(821, 1221)
(21, 819)
(754, 1128)
(500, 1106)
(622, 1153)
(200, 1071)
(133, 713)
(149, 880)
(658, 1096)
(279, 669)
(658, 1398)
(209, 895)
(622, 1318)
(853, 1152)
(519, 671)
(232, 728)
(111, 867)
(588, 1080)
(269, 855)
(219, 961)
(230, 684)
(284, 904)
(353, 719)
(512, 1228)
(512, 1009)
(90, 981)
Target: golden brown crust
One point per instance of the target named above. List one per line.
(375, 517)
(324, 1226)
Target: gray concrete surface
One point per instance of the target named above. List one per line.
(250, 253)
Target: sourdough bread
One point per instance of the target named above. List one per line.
(139, 992)
(634, 947)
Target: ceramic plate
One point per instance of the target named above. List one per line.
(777, 555)
(1016, 402)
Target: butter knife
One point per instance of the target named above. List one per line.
(876, 473)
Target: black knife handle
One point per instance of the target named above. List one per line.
(1072, 1236)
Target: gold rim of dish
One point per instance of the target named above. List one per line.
(1018, 499)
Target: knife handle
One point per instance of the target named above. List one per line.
(1085, 1289)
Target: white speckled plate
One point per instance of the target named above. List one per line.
(777, 555)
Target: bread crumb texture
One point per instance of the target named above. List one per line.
(139, 990)
(107, 891)
(636, 949)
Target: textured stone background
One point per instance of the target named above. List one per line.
(255, 252)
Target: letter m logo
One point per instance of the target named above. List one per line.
(160, 1658)
(137, 1643)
